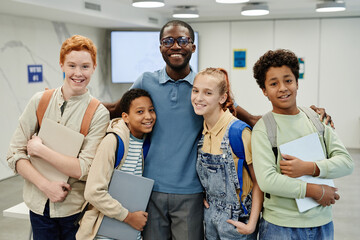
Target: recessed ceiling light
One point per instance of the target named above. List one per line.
(185, 12)
(255, 9)
(330, 6)
(148, 3)
(231, 1)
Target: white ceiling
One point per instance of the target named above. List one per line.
(120, 14)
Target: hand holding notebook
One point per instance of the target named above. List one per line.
(138, 190)
(60, 139)
(307, 148)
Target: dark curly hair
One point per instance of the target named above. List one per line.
(178, 23)
(123, 104)
(277, 58)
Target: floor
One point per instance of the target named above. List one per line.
(346, 211)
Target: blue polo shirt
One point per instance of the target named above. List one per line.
(171, 160)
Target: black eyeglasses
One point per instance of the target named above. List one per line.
(169, 41)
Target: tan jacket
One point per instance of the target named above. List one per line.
(71, 118)
(96, 190)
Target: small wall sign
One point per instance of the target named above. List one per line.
(240, 58)
(301, 68)
(35, 73)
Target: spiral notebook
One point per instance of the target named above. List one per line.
(133, 192)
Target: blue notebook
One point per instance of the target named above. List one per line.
(133, 192)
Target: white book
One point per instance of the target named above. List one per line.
(60, 139)
(307, 148)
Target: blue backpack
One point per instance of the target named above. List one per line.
(237, 146)
(120, 149)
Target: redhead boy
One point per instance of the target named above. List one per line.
(54, 206)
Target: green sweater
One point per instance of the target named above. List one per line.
(281, 208)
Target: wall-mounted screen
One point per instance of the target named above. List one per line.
(135, 52)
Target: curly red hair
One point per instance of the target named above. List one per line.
(78, 43)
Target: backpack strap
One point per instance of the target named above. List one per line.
(271, 128)
(314, 118)
(146, 146)
(120, 149)
(237, 146)
(236, 143)
(86, 121)
(43, 104)
(89, 113)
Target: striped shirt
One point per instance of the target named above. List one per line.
(133, 162)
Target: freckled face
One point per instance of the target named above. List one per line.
(78, 68)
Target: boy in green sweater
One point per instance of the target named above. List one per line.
(277, 73)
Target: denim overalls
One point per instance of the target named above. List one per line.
(218, 176)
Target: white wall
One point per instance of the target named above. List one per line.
(25, 41)
(214, 42)
(256, 37)
(339, 76)
(330, 48)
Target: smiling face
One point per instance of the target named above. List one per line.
(281, 89)
(141, 117)
(206, 98)
(176, 57)
(78, 68)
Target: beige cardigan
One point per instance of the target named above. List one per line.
(96, 190)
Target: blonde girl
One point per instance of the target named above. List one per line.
(233, 198)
